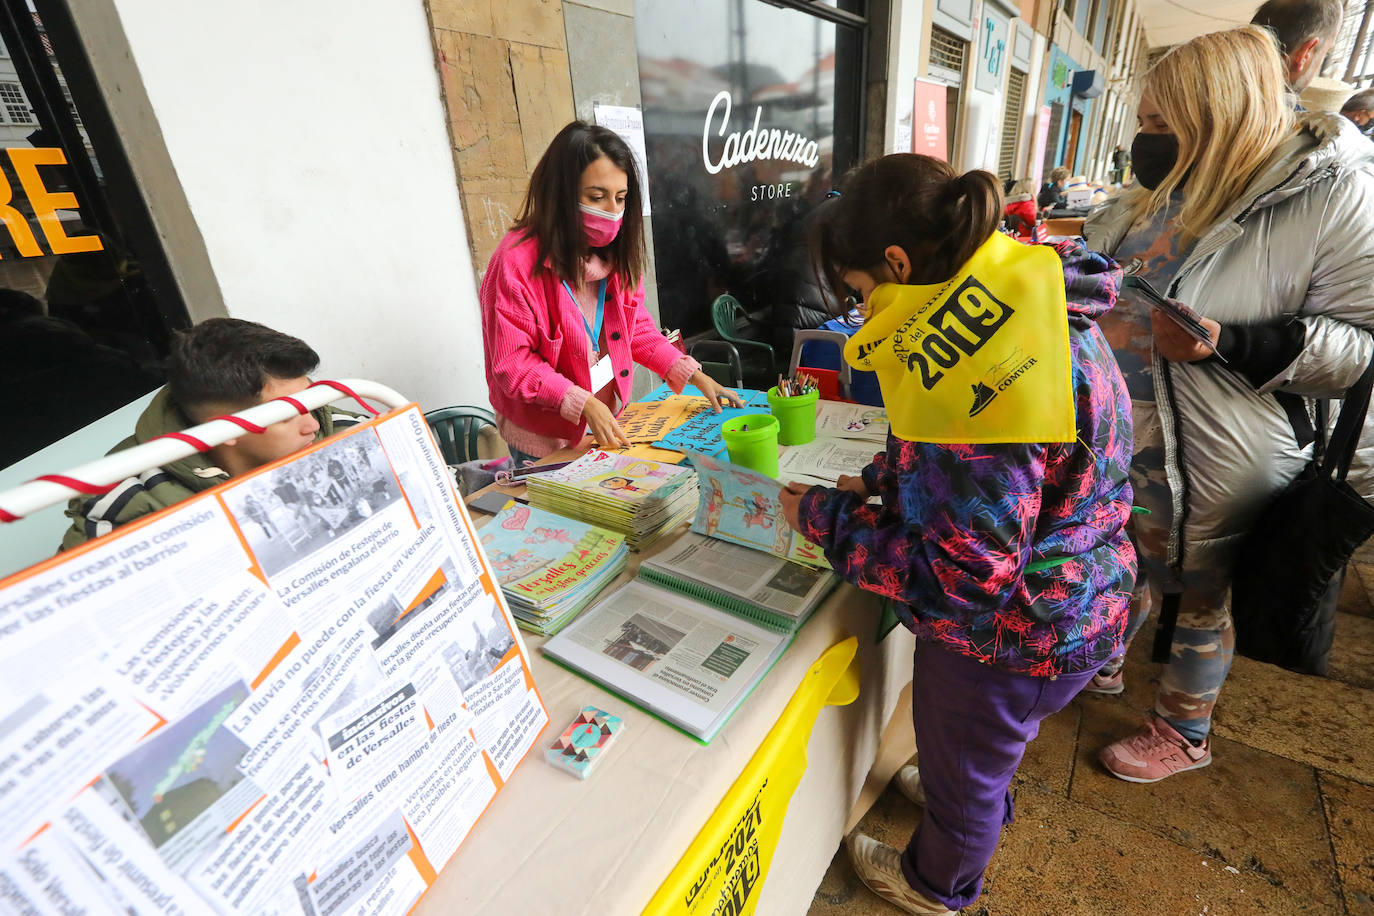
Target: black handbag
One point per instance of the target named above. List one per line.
(1287, 577)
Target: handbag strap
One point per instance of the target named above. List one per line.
(1345, 438)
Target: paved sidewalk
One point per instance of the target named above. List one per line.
(1281, 823)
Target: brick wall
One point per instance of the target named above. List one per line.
(507, 85)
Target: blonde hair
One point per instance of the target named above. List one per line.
(1024, 186)
(1059, 173)
(1222, 95)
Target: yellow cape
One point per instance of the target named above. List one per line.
(983, 358)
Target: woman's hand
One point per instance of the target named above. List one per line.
(601, 422)
(790, 497)
(853, 485)
(714, 392)
(1175, 344)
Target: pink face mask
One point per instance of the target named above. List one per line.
(600, 227)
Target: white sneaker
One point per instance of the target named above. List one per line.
(880, 867)
(909, 784)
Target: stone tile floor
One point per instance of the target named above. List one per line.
(1281, 823)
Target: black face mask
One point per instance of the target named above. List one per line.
(1153, 157)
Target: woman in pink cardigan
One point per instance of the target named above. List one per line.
(563, 316)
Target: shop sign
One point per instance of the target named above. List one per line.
(44, 203)
(928, 133)
(755, 143)
(987, 76)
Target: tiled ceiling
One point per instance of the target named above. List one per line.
(1168, 22)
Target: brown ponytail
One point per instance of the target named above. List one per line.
(939, 217)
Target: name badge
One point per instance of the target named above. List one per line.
(602, 374)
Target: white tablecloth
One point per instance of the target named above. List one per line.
(551, 843)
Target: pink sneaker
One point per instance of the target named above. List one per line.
(1153, 753)
(1110, 684)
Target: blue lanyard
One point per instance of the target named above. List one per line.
(594, 333)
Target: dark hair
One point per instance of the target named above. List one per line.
(1294, 22)
(550, 215)
(226, 362)
(1360, 101)
(939, 217)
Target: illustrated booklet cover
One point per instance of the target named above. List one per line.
(633, 496)
(741, 506)
(550, 567)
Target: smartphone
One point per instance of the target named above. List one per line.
(1179, 313)
(493, 502)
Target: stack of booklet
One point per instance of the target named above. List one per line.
(550, 567)
(634, 496)
(691, 637)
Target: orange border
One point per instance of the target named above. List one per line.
(218, 489)
(421, 862)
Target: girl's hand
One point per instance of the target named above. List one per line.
(603, 425)
(790, 497)
(715, 392)
(1175, 344)
(853, 485)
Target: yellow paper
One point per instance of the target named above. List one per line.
(983, 358)
(644, 422)
(723, 870)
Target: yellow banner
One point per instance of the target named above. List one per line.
(983, 358)
(722, 872)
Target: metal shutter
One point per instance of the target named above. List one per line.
(1011, 125)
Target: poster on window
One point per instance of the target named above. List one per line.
(294, 693)
(929, 137)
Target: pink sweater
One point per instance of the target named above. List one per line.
(538, 357)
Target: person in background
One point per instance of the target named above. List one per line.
(1121, 160)
(1359, 108)
(1051, 195)
(1306, 30)
(1001, 643)
(1020, 211)
(1258, 219)
(563, 317)
(220, 366)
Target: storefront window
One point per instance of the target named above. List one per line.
(751, 111)
(83, 326)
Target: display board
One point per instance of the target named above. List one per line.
(294, 693)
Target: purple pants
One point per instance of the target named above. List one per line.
(973, 722)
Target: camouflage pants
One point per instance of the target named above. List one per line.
(1204, 640)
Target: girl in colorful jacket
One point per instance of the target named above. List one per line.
(1007, 558)
(563, 317)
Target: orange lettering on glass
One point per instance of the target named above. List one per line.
(45, 205)
(16, 223)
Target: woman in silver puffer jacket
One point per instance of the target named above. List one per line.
(1262, 221)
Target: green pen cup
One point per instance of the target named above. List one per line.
(752, 441)
(796, 416)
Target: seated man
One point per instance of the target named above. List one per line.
(217, 367)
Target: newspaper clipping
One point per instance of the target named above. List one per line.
(294, 694)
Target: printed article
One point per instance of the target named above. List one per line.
(296, 693)
(779, 585)
(690, 650)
